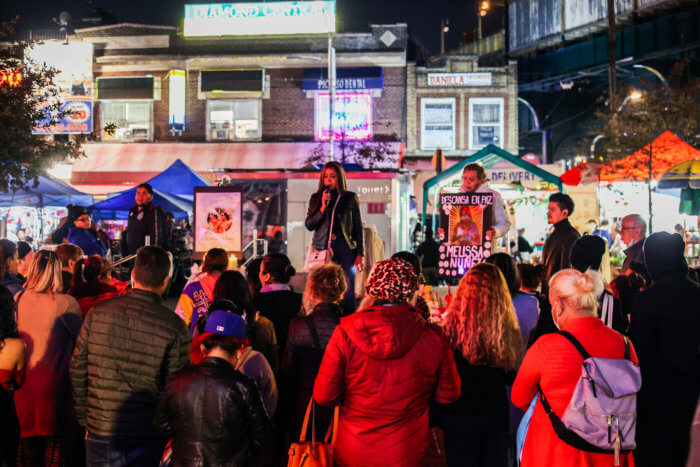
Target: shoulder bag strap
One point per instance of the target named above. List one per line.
(333, 427)
(19, 296)
(576, 344)
(305, 425)
(628, 352)
(314, 333)
(244, 356)
(330, 231)
(607, 309)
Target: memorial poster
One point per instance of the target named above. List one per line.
(464, 232)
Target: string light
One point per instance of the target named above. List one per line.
(12, 78)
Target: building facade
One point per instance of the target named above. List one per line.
(236, 102)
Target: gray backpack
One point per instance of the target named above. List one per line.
(602, 413)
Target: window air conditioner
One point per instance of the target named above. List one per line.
(221, 134)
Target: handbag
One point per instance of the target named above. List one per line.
(318, 258)
(314, 453)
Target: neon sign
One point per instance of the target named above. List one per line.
(245, 19)
(11, 78)
(352, 117)
(178, 83)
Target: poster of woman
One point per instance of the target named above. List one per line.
(217, 220)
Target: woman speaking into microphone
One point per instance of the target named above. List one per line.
(334, 211)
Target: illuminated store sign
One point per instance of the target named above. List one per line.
(76, 118)
(347, 79)
(459, 79)
(245, 19)
(73, 81)
(352, 117)
(178, 84)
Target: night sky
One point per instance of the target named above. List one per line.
(422, 16)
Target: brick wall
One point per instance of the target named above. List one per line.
(287, 115)
(504, 86)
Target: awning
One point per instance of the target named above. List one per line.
(666, 151)
(133, 163)
(49, 192)
(347, 79)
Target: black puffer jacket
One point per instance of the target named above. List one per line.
(127, 348)
(214, 414)
(303, 356)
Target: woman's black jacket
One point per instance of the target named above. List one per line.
(347, 215)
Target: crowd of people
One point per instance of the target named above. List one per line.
(96, 371)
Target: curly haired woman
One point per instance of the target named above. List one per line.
(483, 329)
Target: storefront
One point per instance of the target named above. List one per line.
(277, 201)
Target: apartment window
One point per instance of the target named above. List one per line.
(133, 120)
(234, 119)
(438, 123)
(485, 122)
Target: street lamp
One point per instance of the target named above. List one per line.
(484, 7)
(444, 28)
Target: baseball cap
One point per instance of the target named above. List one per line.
(225, 323)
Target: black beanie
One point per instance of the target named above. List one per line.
(664, 253)
(587, 252)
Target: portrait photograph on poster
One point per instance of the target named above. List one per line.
(465, 224)
(217, 220)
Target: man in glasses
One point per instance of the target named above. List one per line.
(83, 236)
(633, 232)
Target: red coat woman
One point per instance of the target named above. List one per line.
(382, 365)
(552, 365)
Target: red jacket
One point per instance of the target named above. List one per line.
(553, 365)
(382, 365)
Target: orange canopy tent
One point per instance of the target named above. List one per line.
(667, 151)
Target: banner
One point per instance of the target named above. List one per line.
(465, 223)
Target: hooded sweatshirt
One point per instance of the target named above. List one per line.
(664, 330)
(383, 365)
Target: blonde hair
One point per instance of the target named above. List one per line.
(44, 275)
(481, 322)
(326, 284)
(578, 291)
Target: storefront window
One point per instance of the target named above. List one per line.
(352, 117)
(133, 120)
(485, 122)
(234, 119)
(437, 123)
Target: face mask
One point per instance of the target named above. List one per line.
(556, 321)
